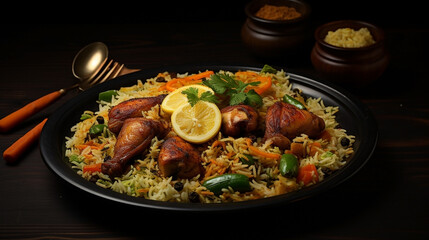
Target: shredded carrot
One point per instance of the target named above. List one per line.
(221, 171)
(92, 168)
(217, 143)
(162, 88)
(215, 167)
(176, 83)
(215, 162)
(257, 151)
(230, 154)
(143, 190)
(88, 156)
(246, 74)
(206, 193)
(91, 144)
(209, 171)
(263, 86)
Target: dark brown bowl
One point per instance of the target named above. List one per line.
(353, 67)
(276, 39)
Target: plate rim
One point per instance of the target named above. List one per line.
(57, 165)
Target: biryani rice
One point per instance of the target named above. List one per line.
(220, 155)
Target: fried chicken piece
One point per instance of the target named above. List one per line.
(285, 121)
(239, 120)
(131, 108)
(135, 136)
(179, 158)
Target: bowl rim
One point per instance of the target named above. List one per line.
(333, 25)
(251, 15)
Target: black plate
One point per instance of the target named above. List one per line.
(353, 116)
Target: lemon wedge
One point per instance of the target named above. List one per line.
(176, 98)
(197, 124)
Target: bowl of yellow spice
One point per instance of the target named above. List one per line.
(277, 29)
(351, 53)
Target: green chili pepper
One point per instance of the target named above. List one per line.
(107, 95)
(97, 129)
(288, 165)
(268, 69)
(293, 101)
(238, 182)
(85, 116)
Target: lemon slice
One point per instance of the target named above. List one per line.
(197, 124)
(177, 98)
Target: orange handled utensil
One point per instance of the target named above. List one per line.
(87, 63)
(17, 148)
(89, 67)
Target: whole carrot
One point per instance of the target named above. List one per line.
(19, 147)
(13, 119)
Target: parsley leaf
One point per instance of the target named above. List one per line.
(253, 98)
(235, 89)
(208, 97)
(216, 83)
(237, 98)
(192, 95)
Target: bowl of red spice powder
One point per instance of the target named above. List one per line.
(277, 29)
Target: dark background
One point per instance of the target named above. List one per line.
(386, 199)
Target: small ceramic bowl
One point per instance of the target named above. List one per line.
(274, 39)
(352, 67)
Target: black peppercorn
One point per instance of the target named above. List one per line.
(345, 142)
(160, 79)
(100, 119)
(194, 197)
(178, 186)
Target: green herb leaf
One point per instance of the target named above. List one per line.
(268, 69)
(216, 83)
(85, 116)
(237, 98)
(253, 98)
(192, 95)
(235, 89)
(209, 97)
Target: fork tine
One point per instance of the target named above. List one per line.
(95, 80)
(117, 71)
(109, 73)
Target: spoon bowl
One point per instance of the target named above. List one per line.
(89, 60)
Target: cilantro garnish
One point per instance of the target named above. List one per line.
(268, 69)
(235, 89)
(192, 95)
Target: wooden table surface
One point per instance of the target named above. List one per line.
(387, 199)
